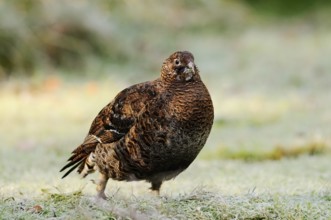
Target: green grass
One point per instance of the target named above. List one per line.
(276, 153)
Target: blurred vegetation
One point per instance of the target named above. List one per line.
(280, 47)
(277, 153)
(37, 34)
(287, 8)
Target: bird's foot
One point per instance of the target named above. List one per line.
(101, 186)
(102, 195)
(155, 192)
(155, 188)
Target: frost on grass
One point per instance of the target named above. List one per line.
(198, 204)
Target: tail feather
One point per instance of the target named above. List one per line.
(80, 155)
(71, 169)
(73, 160)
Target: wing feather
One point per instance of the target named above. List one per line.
(112, 122)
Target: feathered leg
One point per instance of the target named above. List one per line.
(156, 187)
(89, 165)
(101, 186)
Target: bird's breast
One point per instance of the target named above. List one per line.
(190, 117)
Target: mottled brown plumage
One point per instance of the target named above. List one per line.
(151, 131)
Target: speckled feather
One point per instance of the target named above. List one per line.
(151, 131)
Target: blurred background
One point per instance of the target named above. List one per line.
(266, 64)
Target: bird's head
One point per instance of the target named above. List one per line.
(180, 67)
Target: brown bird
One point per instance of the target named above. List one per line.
(151, 131)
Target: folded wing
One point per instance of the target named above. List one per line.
(112, 123)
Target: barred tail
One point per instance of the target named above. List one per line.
(83, 157)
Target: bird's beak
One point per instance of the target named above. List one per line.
(189, 71)
(190, 67)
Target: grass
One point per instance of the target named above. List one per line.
(229, 190)
(276, 153)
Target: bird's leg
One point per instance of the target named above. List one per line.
(101, 186)
(89, 166)
(156, 187)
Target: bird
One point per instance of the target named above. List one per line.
(150, 131)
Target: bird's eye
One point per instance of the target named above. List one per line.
(177, 62)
